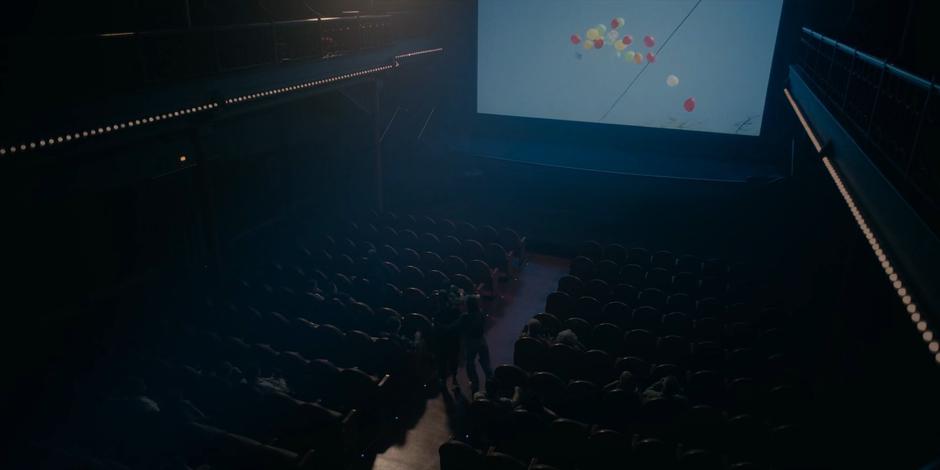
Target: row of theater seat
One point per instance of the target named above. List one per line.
(708, 379)
(298, 364)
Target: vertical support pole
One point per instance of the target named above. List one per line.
(920, 126)
(203, 183)
(874, 105)
(189, 14)
(377, 146)
(848, 80)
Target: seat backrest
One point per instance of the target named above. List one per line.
(456, 455)
(591, 249)
(570, 285)
(616, 253)
(559, 304)
(582, 267)
(455, 265)
(473, 249)
(530, 354)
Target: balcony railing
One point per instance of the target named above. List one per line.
(893, 115)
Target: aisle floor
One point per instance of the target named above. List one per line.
(521, 299)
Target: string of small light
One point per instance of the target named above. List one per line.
(77, 135)
(919, 320)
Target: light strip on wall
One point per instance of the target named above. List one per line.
(308, 85)
(99, 131)
(122, 125)
(417, 53)
(919, 320)
(799, 115)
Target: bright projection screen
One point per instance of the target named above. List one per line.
(699, 65)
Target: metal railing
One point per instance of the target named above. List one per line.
(892, 114)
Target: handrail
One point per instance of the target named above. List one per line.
(872, 60)
(236, 27)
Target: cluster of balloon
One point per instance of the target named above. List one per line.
(598, 36)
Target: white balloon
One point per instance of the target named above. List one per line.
(613, 35)
(672, 80)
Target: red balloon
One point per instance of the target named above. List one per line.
(650, 41)
(614, 23)
(598, 43)
(689, 105)
(627, 40)
(651, 57)
(575, 39)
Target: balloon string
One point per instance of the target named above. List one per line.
(647, 64)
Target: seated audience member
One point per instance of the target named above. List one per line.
(569, 338)
(533, 329)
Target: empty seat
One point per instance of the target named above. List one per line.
(415, 300)
(659, 278)
(686, 283)
(633, 274)
(473, 249)
(689, 263)
(592, 250)
(673, 349)
(616, 253)
(647, 318)
(639, 256)
(617, 313)
(548, 388)
(652, 297)
(598, 366)
(451, 246)
(409, 257)
(641, 343)
(597, 289)
(454, 265)
(446, 227)
(431, 260)
(559, 304)
(607, 448)
(625, 293)
(607, 270)
(487, 234)
(412, 276)
(582, 267)
(608, 338)
(530, 354)
(510, 376)
(570, 285)
(466, 230)
(663, 259)
(437, 280)
(429, 242)
(588, 308)
(677, 323)
(408, 238)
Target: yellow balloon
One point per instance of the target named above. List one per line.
(593, 34)
(619, 45)
(588, 44)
